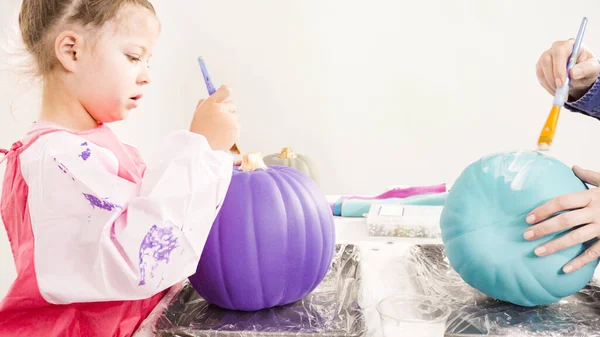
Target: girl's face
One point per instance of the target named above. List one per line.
(112, 73)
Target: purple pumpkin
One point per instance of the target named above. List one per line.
(271, 243)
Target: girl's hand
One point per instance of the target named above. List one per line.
(584, 210)
(216, 120)
(552, 69)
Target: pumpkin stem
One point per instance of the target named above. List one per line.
(287, 153)
(252, 161)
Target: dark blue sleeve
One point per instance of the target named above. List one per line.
(588, 104)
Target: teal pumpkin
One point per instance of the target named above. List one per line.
(483, 222)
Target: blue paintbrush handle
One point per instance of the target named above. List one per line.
(207, 80)
(211, 89)
(563, 91)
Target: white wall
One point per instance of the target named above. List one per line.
(377, 92)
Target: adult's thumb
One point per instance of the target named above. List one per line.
(586, 70)
(587, 176)
(221, 94)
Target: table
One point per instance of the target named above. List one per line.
(384, 271)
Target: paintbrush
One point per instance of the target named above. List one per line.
(211, 90)
(561, 95)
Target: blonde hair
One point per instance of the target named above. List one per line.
(40, 19)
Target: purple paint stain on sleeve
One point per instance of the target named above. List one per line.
(61, 166)
(85, 154)
(156, 247)
(100, 203)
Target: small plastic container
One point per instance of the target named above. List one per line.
(413, 315)
(408, 221)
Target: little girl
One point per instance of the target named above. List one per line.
(97, 235)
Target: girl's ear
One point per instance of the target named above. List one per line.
(67, 48)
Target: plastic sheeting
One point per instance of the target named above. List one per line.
(475, 314)
(361, 276)
(332, 309)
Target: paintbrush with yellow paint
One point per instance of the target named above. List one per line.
(561, 95)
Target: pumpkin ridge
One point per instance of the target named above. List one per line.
(497, 277)
(491, 224)
(491, 201)
(284, 173)
(325, 213)
(520, 284)
(545, 288)
(221, 266)
(323, 258)
(479, 183)
(251, 216)
(295, 179)
(277, 177)
(317, 276)
(528, 284)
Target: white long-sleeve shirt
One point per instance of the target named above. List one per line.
(99, 237)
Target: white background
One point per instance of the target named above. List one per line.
(377, 93)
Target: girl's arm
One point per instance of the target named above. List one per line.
(99, 237)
